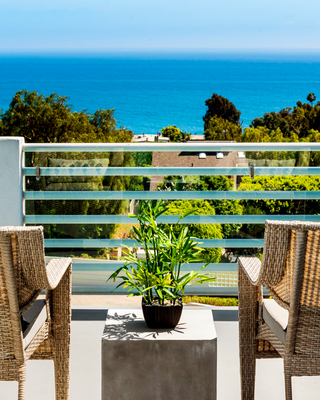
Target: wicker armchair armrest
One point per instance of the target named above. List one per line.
(55, 270)
(252, 268)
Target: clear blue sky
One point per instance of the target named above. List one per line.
(35, 25)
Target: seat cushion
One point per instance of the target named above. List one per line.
(32, 320)
(276, 318)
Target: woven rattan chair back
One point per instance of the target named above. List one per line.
(23, 275)
(28, 265)
(282, 242)
(290, 270)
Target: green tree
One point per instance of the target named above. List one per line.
(304, 118)
(208, 183)
(142, 159)
(261, 134)
(272, 121)
(280, 183)
(311, 97)
(218, 128)
(201, 231)
(214, 182)
(221, 207)
(299, 121)
(175, 134)
(219, 106)
(41, 119)
(272, 207)
(174, 183)
(313, 137)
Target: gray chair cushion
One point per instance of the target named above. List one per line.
(276, 318)
(32, 320)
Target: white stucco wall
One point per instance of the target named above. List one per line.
(11, 204)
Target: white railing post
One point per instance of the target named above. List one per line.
(11, 181)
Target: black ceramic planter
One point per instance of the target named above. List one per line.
(162, 317)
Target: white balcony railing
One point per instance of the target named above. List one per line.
(90, 275)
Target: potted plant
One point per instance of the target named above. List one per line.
(158, 278)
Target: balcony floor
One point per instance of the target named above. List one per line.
(85, 383)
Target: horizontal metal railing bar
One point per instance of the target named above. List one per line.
(140, 171)
(199, 290)
(173, 195)
(111, 243)
(168, 219)
(110, 266)
(161, 171)
(204, 147)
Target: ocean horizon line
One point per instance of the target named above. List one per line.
(273, 55)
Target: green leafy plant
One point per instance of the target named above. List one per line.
(158, 278)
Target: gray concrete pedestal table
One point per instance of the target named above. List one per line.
(139, 363)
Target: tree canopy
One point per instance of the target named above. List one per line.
(311, 97)
(175, 134)
(283, 183)
(299, 121)
(221, 129)
(41, 119)
(208, 183)
(222, 207)
(219, 106)
(271, 207)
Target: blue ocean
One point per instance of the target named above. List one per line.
(152, 90)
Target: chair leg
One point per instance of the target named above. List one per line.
(61, 318)
(22, 383)
(247, 373)
(61, 370)
(247, 333)
(288, 386)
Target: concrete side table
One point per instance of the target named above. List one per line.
(139, 363)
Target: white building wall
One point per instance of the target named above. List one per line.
(11, 190)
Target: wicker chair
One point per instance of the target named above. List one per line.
(32, 328)
(289, 325)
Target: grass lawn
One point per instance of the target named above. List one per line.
(212, 301)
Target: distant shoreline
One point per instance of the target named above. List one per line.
(268, 55)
